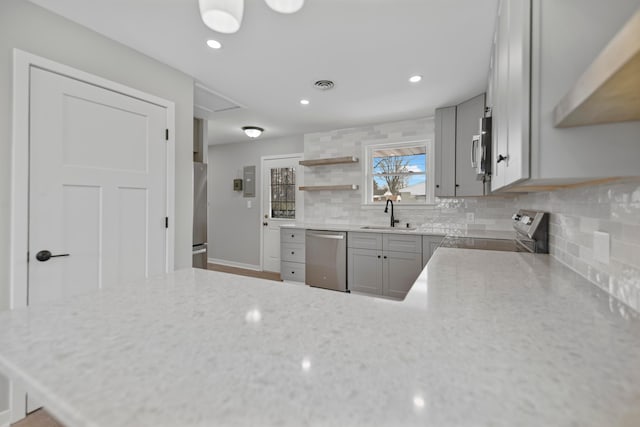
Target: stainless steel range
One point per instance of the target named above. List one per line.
(531, 235)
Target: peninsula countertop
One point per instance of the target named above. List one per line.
(483, 338)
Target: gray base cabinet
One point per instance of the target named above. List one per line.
(429, 246)
(292, 252)
(364, 271)
(383, 264)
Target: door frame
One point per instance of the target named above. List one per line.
(19, 202)
(299, 182)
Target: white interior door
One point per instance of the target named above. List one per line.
(97, 187)
(282, 203)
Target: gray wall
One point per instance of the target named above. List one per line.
(33, 29)
(234, 229)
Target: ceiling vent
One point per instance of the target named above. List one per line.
(324, 84)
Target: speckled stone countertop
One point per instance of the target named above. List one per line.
(482, 339)
(437, 230)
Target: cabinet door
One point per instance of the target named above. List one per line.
(468, 118)
(364, 271)
(445, 152)
(401, 269)
(518, 140)
(429, 246)
(511, 93)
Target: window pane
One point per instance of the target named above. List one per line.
(400, 188)
(283, 193)
(399, 160)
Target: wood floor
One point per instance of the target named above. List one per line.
(41, 418)
(269, 275)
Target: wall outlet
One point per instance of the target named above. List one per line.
(471, 217)
(601, 246)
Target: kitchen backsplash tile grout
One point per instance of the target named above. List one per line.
(575, 213)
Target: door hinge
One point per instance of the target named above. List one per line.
(166, 222)
(166, 134)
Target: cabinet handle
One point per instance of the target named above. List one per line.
(293, 253)
(378, 256)
(293, 236)
(385, 257)
(502, 158)
(293, 272)
(437, 185)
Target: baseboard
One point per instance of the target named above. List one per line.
(5, 418)
(234, 264)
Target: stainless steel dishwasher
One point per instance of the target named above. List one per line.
(326, 259)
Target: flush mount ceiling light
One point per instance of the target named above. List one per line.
(285, 6)
(223, 16)
(214, 44)
(415, 79)
(252, 131)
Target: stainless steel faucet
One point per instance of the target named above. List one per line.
(386, 209)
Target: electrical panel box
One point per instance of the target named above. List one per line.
(249, 181)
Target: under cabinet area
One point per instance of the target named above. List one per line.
(383, 264)
(292, 252)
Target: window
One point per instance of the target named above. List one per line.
(283, 193)
(400, 172)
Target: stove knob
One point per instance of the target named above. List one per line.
(516, 217)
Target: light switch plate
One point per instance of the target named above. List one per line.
(248, 204)
(601, 246)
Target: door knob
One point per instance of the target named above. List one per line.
(45, 255)
(502, 158)
(265, 223)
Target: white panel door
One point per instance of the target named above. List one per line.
(97, 187)
(281, 204)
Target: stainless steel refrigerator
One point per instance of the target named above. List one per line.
(199, 215)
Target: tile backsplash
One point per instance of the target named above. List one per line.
(575, 213)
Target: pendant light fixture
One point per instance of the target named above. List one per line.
(223, 16)
(252, 131)
(285, 6)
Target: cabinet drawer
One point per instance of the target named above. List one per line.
(292, 271)
(365, 240)
(293, 235)
(402, 243)
(293, 252)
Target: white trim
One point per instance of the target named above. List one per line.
(234, 264)
(19, 242)
(300, 179)
(5, 418)
(398, 142)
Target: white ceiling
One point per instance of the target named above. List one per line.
(369, 48)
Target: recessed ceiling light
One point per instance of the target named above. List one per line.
(252, 131)
(214, 44)
(304, 101)
(415, 79)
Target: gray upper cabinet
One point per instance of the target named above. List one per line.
(469, 114)
(454, 131)
(445, 152)
(535, 62)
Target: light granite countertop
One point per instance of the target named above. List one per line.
(482, 339)
(427, 230)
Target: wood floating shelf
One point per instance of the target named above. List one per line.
(609, 90)
(329, 161)
(329, 187)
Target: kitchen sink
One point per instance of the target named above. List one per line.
(386, 227)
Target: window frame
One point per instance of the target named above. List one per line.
(368, 149)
